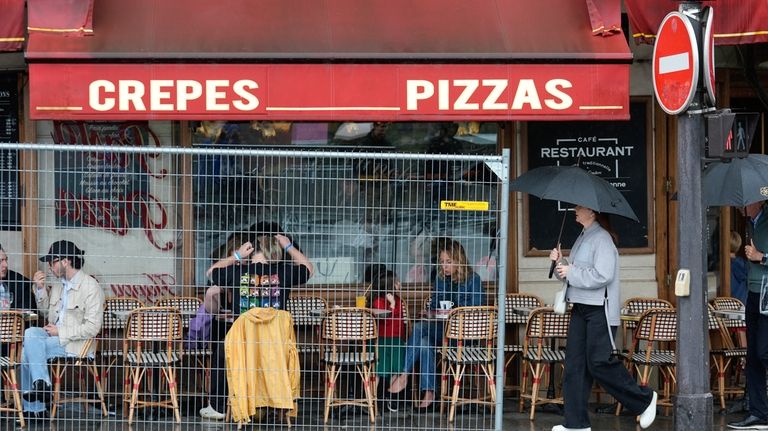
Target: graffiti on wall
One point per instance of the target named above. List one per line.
(109, 190)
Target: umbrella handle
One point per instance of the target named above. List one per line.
(552, 268)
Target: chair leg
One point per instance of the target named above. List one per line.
(57, 372)
(135, 383)
(330, 387)
(491, 377)
(99, 388)
(525, 365)
(170, 375)
(457, 375)
(12, 382)
(535, 389)
(365, 373)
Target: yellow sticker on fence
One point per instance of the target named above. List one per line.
(464, 205)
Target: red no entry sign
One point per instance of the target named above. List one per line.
(675, 64)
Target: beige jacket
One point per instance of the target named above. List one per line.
(84, 313)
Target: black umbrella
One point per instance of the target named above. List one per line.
(737, 182)
(573, 185)
(576, 186)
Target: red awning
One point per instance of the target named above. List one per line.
(60, 17)
(389, 60)
(736, 22)
(11, 25)
(344, 30)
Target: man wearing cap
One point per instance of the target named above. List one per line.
(73, 309)
(17, 285)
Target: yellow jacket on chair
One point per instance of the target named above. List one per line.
(262, 363)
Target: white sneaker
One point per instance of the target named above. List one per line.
(649, 415)
(562, 428)
(210, 413)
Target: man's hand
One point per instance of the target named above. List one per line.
(51, 329)
(39, 279)
(752, 253)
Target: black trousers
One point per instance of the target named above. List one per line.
(757, 356)
(218, 390)
(587, 359)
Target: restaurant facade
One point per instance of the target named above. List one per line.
(365, 129)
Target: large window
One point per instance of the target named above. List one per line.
(346, 212)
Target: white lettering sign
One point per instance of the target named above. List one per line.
(172, 95)
(462, 94)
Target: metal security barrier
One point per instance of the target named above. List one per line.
(327, 228)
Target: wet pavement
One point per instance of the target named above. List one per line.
(310, 418)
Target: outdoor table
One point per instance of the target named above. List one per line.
(29, 315)
(435, 314)
(376, 312)
(731, 314)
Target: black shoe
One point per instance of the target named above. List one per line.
(35, 417)
(41, 391)
(392, 406)
(750, 423)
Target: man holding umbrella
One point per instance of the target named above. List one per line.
(757, 323)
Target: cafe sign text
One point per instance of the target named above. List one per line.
(327, 92)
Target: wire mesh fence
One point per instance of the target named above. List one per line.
(300, 288)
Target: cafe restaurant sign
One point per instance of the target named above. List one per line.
(327, 92)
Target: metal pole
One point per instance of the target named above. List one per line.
(693, 404)
(501, 289)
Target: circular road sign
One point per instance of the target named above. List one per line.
(675, 64)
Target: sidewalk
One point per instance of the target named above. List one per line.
(311, 419)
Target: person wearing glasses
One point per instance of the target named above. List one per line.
(73, 308)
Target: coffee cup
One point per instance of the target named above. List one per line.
(446, 305)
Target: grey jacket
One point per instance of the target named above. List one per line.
(594, 265)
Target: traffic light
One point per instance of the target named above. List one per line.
(729, 134)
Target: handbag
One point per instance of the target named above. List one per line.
(199, 329)
(764, 296)
(559, 305)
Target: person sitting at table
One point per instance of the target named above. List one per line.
(74, 310)
(457, 283)
(269, 278)
(391, 329)
(19, 287)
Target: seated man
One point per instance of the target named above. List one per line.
(74, 313)
(16, 284)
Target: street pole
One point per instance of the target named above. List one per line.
(693, 404)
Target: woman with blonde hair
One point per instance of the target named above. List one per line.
(455, 282)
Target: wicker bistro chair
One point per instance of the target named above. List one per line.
(724, 354)
(637, 306)
(469, 340)
(655, 327)
(153, 340)
(307, 320)
(84, 362)
(11, 338)
(349, 338)
(110, 354)
(514, 303)
(306, 323)
(545, 335)
(730, 304)
(198, 359)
